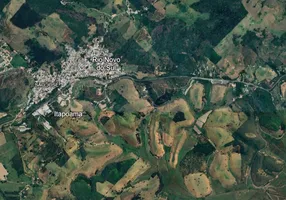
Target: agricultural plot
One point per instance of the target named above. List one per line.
(225, 167)
(196, 95)
(198, 184)
(218, 93)
(174, 134)
(196, 109)
(221, 124)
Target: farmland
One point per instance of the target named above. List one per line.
(142, 99)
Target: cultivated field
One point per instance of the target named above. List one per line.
(198, 185)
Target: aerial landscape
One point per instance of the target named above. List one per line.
(142, 99)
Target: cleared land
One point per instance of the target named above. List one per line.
(143, 39)
(77, 126)
(218, 93)
(220, 125)
(265, 74)
(198, 185)
(2, 139)
(171, 132)
(196, 95)
(97, 156)
(125, 126)
(3, 172)
(283, 89)
(137, 169)
(220, 169)
(126, 88)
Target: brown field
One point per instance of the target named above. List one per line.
(198, 185)
(283, 89)
(118, 2)
(105, 189)
(92, 29)
(106, 113)
(89, 167)
(2, 139)
(218, 93)
(220, 125)
(2, 114)
(137, 169)
(126, 88)
(47, 42)
(172, 133)
(176, 147)
(160, 12)
(75, 106)
(3, 173)
(124, 126)
(197, 92)
(147, 189)
(235, 164)
(78, 126)
(156, 146)
(141, 105)
(250, 135)
(168, 140)
(220, 170)
(226, 118)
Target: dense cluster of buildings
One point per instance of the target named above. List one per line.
(92, 61)
(5, 57)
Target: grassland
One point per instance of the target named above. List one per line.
(151, 119)
(126, 88)
(265, 74)
(137, 169)
(143, 39)
(220, 169)
(283, 89)
(125, 126)
(18, 61)
(76, 106)
(196, 95)
(77, 126)
(56, 28)
(2, 139)
(147, 189)
(97, 157)
(156, 144)
(218, 93)
(15, 41)
(198, 185)
(182, 10)
(173, 133)
(221, 124)
(14, 90)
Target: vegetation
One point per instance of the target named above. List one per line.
(196, 112)
(270, 121)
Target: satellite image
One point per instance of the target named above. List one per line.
(142, 99)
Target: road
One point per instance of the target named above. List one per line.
(133, 78)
